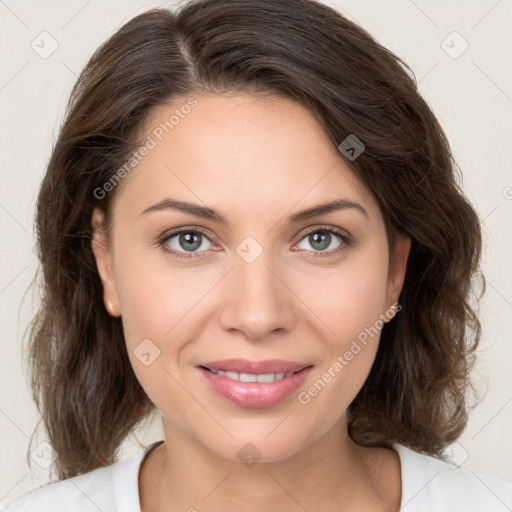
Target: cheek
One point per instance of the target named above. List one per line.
(349, 305)
(347, 299)
(156, 320)
(161, 308)
(159, 301)
(159, 322)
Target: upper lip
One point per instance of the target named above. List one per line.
(255, 367)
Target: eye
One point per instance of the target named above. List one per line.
(185, 241)
(193, 243)
(325, 241)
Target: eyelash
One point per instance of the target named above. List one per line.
(162, 242)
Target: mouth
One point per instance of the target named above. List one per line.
(254, 383)
(252, 377)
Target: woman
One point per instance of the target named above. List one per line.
(251, 224)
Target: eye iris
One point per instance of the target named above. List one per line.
(321, 237)
(192, 239)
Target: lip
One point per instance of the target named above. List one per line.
(255, 394)
(247, 366)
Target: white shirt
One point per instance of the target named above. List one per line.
(428, 485)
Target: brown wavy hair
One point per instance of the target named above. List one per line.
(416, 393)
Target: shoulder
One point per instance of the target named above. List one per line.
(429, 484)
(89, 492)
(83, 493)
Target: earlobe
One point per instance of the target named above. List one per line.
(398, 267)
(103, 259)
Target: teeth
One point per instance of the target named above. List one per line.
(250, 377)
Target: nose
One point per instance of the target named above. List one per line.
(257, 300)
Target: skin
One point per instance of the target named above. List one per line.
(255, 160)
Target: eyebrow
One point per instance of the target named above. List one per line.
(207, 213)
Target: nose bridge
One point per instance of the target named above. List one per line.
(257, 302)
(256, 279)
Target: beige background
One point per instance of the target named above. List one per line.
(470, 94)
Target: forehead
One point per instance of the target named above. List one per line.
(261, 152)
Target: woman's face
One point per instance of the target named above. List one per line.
(251, 278)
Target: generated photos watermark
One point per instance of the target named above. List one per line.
(343, 360)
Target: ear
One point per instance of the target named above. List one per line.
(397, 268)
(104, 259)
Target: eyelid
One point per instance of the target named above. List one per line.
(176, 231)
(324, 227)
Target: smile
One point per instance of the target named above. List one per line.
(250, 377)
(263, 386)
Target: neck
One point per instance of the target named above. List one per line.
(329, 472)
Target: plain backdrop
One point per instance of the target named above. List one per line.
(469, 90)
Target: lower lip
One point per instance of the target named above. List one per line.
(255, 394)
